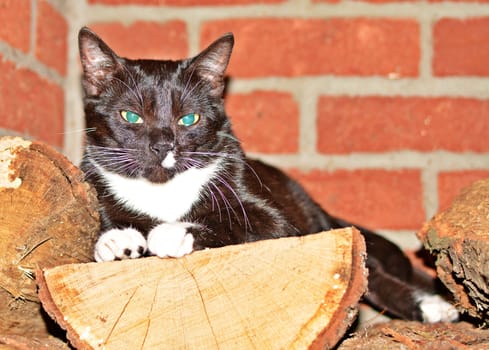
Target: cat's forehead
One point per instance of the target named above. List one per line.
(157, 69)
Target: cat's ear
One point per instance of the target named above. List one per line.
(211, 63)
(99, 62)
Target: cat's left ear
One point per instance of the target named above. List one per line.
(211, 63)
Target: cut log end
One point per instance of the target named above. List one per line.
(48, 217)
(296, 292)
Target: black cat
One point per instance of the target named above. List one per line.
(172, 177)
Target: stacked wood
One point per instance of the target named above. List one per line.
(48, 217)
(296, 292)
(405, 335)
(459, 237)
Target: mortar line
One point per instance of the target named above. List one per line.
(33, 32)
(429, 183)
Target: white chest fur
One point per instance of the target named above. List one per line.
(169, 201)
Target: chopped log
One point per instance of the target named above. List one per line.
(17, 342)
(48, 217)
(459, 237)
(409, 335)
(296, 292)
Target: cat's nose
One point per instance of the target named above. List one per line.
(161, 149)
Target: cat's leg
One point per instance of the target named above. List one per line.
(171, 239)
(118, 244)
(405, 299)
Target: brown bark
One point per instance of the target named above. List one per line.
(48, 217)
(404, 335)
(459, 237)
(296, 292)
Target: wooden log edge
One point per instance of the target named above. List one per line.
(52, 309)
(344, 317)
(341, 320)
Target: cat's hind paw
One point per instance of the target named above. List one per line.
(435, 309)
(119, 244)
(171, 240)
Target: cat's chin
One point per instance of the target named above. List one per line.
(159, 174)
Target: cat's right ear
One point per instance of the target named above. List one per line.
(99, 62)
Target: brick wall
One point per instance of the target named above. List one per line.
(33, 65)
(379, 107)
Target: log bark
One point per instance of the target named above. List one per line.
(296, 292)
(406, 335)
(459, 237)
(48, 217)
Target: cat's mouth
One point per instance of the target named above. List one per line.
(162, 170)
(159, 174)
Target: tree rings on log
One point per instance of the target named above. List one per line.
(295, 292)
(48, 217)
(459, 237)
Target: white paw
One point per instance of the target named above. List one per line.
(119, 244)
(436, 309)
(171, 240)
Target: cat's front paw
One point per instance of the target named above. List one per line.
(171, 240)
(435, 309)
(119, 244)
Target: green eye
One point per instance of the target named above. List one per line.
(189, 119)
(131, 117)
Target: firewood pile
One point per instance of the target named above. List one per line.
(288, 293)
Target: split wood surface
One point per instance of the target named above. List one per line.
(48, 217)
(296, 292)
(459, 236)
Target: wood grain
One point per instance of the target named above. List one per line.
(297, 292)
(48, 217)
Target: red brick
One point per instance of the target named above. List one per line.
(385, 1)
(458, 0)
(51, 36)
(451, 183)
(376, 199)
(297, 47)
(15, 17)
(30, 104)
(146, 39)
(380, 124)
(183, 2)
(460, 47)
(265, 121)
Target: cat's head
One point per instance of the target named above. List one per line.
(154, 118)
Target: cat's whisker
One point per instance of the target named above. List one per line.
(227, 205)
(185, 92)
(138, 89)
(231, 157)
(78, 131)
(247, 223)
(116, 149)
(228, 135)
(118, 160)
(214, 203)
(137, 94)
(189, 92)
